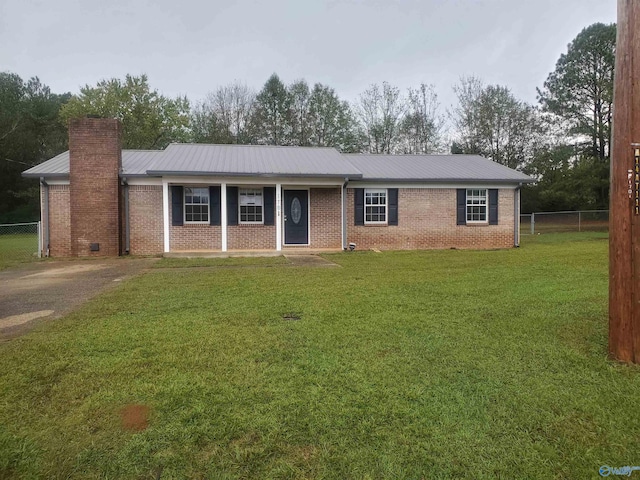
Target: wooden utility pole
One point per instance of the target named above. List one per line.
(624, 223)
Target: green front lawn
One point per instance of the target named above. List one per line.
(408, 365)
(17, 248)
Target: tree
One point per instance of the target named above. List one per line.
(224, 116)
(567, 180)
(380, 111)
(580, 89)
(572, 165)
(29, 134)
(299, 97)
(271, 120)
(466, 116)
(421, 127)
(493, 123)
(331, 121)
(207, 126)
(149, 119)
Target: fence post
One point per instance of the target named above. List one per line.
(533, 223)
(579, 220)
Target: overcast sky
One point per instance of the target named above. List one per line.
(191, 47)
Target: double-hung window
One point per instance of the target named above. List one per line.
(477, 201)
(375, 206)
(251, 204)
(196, 205)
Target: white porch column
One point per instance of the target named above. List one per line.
(343, 220)
(165, 214)
(278, 217)
(223, 215)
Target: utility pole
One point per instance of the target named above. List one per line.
(624, 223)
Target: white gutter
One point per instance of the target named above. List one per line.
(516, 216)
(343, 199)
(127, 224)
(44, 216)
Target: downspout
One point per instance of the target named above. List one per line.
(45, 216)
(516, 216)
(126, 216)
(344, 213)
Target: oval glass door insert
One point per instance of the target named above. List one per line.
(296, 210)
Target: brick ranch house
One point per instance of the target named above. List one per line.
(98, 199)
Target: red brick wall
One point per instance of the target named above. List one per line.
(95, 159)
(191, 237)
(145, 220)
(59, 221)
(427, 219)
(251, 237)
(326, 218)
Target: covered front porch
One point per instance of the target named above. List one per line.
(252, 216)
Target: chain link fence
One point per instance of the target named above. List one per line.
(19, 242)
(574, 221)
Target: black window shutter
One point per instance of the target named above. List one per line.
(393, 206)
(462, 206)
(214, 204)
(176, 205)
(269, 196)
(232, 205)
(359, 206)
(493, 206)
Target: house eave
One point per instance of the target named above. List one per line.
(474, 181)
(45, 175)
(340, 176)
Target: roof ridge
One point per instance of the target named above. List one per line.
(141, 150)
(248, 145)
(413, 155)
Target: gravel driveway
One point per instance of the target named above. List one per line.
(43, 291)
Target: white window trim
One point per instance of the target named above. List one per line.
(240, 221)
(386, 206)
(486, 205)
(184, 206)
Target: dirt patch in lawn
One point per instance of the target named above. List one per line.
(135, 417)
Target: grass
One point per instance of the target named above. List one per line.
(438, 364)
(220, 262)
(17, 248)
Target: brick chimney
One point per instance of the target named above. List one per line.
(95, 161)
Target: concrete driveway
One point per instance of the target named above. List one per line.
(43, 291)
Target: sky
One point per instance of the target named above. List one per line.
(190, 48)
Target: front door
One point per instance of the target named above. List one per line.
(296, 217)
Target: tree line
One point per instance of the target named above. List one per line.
(563, 140)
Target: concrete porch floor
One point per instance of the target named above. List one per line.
(249, 253)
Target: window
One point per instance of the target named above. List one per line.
(477, 205)
(196, 205)
(375, 206)
(250, 205)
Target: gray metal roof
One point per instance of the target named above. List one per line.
(251, 160)
(434, 168)
(134, 163)
(260, 160)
